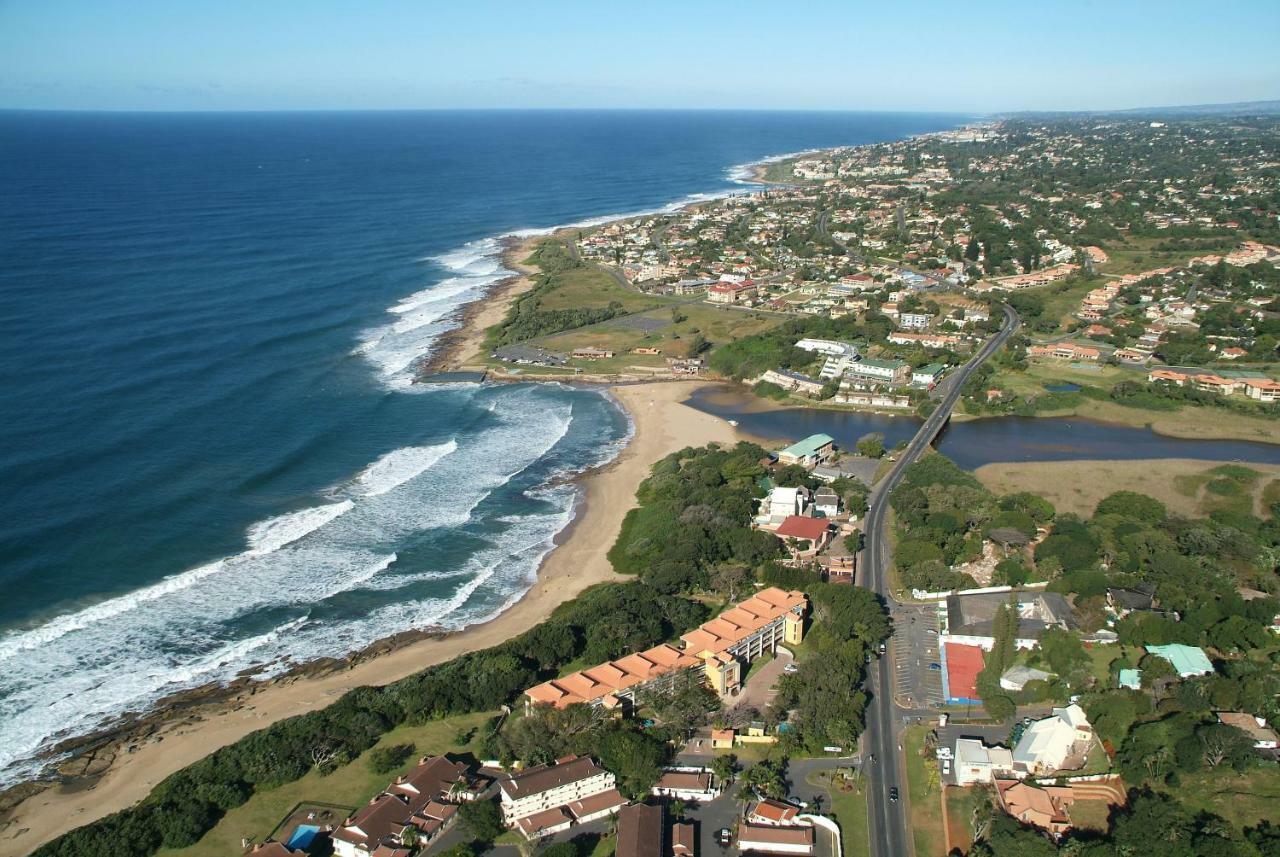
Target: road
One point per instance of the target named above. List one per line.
(887, 820)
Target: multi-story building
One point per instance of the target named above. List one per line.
(550, 798)
(714, 652)
(891, 372)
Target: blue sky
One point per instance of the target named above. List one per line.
(983, 55)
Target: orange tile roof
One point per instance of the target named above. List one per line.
(714, 637)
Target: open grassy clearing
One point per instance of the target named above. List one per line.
(1243, 799)
(962, 806)
(351, 785)
(1140, 254)
(1183, 485)
(924, 791)
(848, 803)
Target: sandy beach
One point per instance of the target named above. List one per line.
(662, 425)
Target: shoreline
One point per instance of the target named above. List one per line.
(661, 424)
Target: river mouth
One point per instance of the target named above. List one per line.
(973, 443)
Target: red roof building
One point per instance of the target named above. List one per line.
(800, 527)
(963, 665)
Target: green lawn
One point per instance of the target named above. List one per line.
(848, 803)
(1243, 799)
(923, 789)
(351, 785)
(961, 805)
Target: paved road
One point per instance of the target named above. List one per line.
(887, 821)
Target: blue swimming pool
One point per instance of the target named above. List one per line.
(301, 837)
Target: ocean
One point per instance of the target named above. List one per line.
(212, 454)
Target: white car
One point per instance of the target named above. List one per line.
(946, 767)
(791, 668)
(944, 753)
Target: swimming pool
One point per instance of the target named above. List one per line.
(301, 837)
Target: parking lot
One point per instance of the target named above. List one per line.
(917, 684)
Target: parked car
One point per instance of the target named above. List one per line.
(795, 801)
(935, 666)
(944, 753)
(724, 836)
(946, 766)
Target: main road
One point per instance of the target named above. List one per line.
(887, 820)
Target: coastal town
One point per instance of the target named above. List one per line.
(814, 646)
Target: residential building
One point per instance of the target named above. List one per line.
(715, 650)
(551, 798)
(925, 340)
(793, 381)
(813, 450)
(1187, 660)
(687, 784)
(589, 353)
(783, 503)
(826, 502)
(1261, 389)
(1264, 737)
(1130, 679)
(914, 320)
(811, 535)
(775, 840)
(425, 799)
(893, 372)
(927, 376)
(1015, 678)
(1064, 351)
(976, 763)
(829, 347)
(640, 831)
(1042, 807)
(772, 813)
(1058, 741)
(684, 840)
(731, 293)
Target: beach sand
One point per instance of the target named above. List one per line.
(662, 425)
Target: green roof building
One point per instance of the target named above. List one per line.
(1187, 660)
(1131, 679)
(810, 451)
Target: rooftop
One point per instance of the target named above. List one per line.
(809, 446)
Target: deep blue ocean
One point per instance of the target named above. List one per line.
(211, 454)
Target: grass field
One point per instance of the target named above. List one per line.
(351, 785)
(1243, 799)
(1091, 815)
(961, 807)
(1183, 485)
(923, 789)
(848, 803)
(1139, 254)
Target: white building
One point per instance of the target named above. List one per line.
(1046, 744)
(687, 784)
(977, 763)
(829, 347)
(914, 320)
(782, 503)
(775, 840)
(551, 798)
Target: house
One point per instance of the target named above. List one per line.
(1186, 660)
(684, 841)
(1042, 807)
(731, 293)
(1046, 745)
(274, 849)
(641, 831)
(783, 503)
(425, 799)
(914, 320)
(1262, 389)
(977, 763)
(927, 376)
(813, 450)
(811, 534)
(775, 840)
(1123, 601)
(552, 798)
(722, 739)
(755, 733)
(1015, 678)
(1130, 679)
(1264, 737)
(715, 651)
(772, 813)
(687, 784)
(826, 502)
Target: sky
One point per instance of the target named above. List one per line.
(978, 56)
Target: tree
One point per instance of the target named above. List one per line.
(481, 820)
(384, 760)
(1131, 504)
(764, 779)
(871, 445)
(724, 767)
